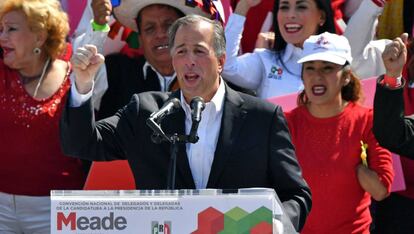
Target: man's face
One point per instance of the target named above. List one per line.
(197, 67)
(153, 37)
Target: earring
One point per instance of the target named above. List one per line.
(37, 50)
(321, 23)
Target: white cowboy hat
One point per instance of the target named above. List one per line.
(128, 10)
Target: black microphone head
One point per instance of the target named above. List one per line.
(197, 100)
(169, 107)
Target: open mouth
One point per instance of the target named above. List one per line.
(7, 50)
(293, 28)
(191, 76)
(318, 90)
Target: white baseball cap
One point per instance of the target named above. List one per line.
(327, 47)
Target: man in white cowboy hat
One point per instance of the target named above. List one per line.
(153, 70)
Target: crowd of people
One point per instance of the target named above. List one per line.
(66, 101)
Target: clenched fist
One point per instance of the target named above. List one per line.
(395, 56)
(85, 63)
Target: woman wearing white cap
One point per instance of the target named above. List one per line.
(331, 131)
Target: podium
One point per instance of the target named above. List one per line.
(208, 211)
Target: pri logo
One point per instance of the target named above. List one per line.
(161, 228)
(276, 72)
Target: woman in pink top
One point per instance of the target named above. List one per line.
(328, 129)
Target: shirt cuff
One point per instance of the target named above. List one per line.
(77, 99)
(391, 82)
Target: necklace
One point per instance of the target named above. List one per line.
(39, 82)
(41, 77)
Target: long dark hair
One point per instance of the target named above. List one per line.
(280, 43)
(328, 26)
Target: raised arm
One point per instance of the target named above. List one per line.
(80, 136)
(245, 70)
(360, 32)
(391, 128)
(99, 11)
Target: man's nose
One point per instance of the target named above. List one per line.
(162, 32)
(190, 60)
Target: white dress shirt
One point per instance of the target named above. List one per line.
(201, 154)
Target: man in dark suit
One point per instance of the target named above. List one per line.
(391, 128)
(395, 131)
(244, 141)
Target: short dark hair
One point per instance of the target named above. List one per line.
(219, 39)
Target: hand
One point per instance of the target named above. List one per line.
(101, 11)
(395, 56)
(265, 40)
(85, 63)
(244, 5)
(370, 182)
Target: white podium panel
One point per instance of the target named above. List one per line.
(164, 212)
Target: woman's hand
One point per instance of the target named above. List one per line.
(244, 5)
(85, 63)
(265, 40)
(370, 182)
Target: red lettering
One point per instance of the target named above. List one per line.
(66, 220)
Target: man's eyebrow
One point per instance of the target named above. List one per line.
(179, 46)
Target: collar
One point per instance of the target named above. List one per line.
(290, 52)
(148, 65)
(217, 100)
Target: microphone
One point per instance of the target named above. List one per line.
(168, 108)
(197, 106)
(156, 117)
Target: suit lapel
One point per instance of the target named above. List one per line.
(231, 123)
(175, 123)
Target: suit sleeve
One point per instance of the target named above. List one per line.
(286, 173)
(392, 130)
(84, 138)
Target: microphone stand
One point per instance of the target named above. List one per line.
(174, 139)
(154, 122)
